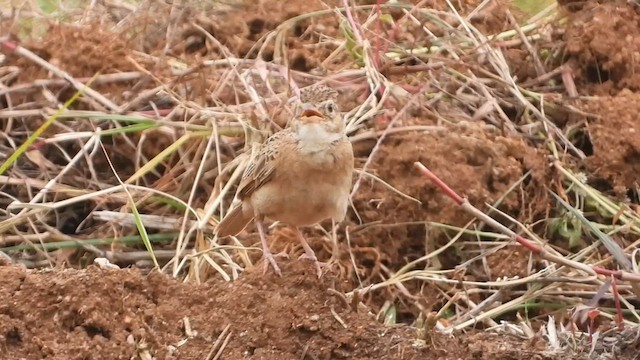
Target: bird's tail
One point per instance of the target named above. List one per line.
(233, 223)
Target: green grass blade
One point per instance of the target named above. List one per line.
(143, 231)
(158, 158)
(129, 240)
(39, 131)
(614, 249)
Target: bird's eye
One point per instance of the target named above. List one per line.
(331, 107)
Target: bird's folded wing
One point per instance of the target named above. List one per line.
(260, 169)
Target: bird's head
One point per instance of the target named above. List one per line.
(318, 124)
(324, 114)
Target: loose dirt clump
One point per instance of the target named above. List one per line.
(602, 45)
(615, 138)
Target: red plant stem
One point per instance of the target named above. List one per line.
(37, 145)
(9, 45)
(593, 314)
(441, 184)
(464, 203)
(616, 300)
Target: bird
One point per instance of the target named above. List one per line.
(299, 176)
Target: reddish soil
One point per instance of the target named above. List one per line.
(602, 47)
(121, 314)
(616, 154)
(481, 164)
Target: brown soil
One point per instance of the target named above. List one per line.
(121, 314)
(480, 164)
(616, 153)
(602, 46)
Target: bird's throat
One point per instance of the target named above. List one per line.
(315, 137)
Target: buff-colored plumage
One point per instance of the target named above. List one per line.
(300, 175)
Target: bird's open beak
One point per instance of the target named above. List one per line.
(310, 110)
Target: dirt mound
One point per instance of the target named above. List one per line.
(112, 314)
(616, 153)
(390, 231)
(602, 44)
(475, 161)
(123, 314)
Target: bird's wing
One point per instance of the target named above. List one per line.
(260, 169)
